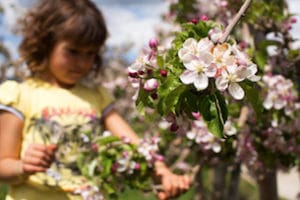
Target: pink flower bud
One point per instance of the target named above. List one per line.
(243, 45)
(125, 154)
(141, 73)
(149, 71)
(194, 21)
(95, 147)
(137, 166)
(154, 95)
(223, 4)
(150, 85)
(174, 127)
(153, 43)
(158, 157)
(215, 35)
(126, 140)
(293, 20)
(114, 167)
(196, 115)
(133, 74)
(163, 73)
(204, 18)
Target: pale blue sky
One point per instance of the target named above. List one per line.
(128, 20)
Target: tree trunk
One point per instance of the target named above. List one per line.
(219, 182)
(268, 186)
(233, 190)
(199, 188)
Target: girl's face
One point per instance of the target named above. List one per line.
(69, 63)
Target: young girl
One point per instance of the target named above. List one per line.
(61, 42)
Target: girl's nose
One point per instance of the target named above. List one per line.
(84, 61)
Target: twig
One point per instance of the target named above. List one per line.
(183, 155)
(235, 20)
(243, 116)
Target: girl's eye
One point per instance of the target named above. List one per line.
(72, 51)
(91, 53)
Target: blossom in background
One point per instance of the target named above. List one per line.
(201, 135)
(229, 128)
(148, 148)
(281, 94)
(89, 193)
(126, 164)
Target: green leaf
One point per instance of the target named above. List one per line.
(164, 91)
(143, 101)
(107, 140)
(160, 61)
(253, 97)
(221, 106)
(173, 99)
(108, 188)
(92, 167)
(106, 164)
(214, 113)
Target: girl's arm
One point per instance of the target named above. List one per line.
(10, 145)
(172, 184)
(37, 157)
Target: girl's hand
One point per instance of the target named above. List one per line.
(37, 158)
(173, 185)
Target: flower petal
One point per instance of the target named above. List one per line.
(201, 82)
(188, 77)
(221, 83)
(236, 91)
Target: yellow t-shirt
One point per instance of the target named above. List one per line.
(54, 115)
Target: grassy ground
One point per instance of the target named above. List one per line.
(3, 190)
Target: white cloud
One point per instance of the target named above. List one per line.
(128, 21)
(294, 7)
(12, 11)
(134, 23)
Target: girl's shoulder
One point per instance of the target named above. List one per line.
(9, 90)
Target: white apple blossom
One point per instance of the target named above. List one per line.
(198, 71)
(197, 59)
(243, 60)
(139, 64)
(191, 49)
(234, 66)
(229, 78)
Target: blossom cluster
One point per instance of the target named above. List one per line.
(281, 94)
(224, 63)
(105, 162)
(194, 74)
(205, 59)
(203, 137)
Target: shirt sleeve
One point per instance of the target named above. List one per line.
(107, 101)
(10, 98)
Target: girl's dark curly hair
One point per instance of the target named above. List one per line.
(78, 21)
